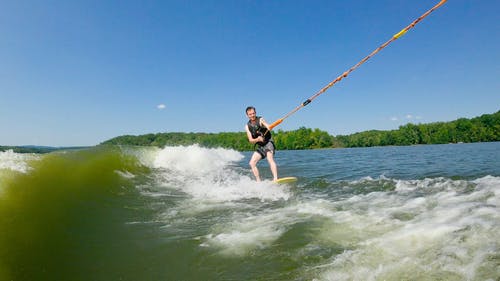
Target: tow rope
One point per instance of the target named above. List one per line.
(343, 75)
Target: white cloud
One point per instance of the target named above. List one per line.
(409, 116)
(394, 118)
(160, 106)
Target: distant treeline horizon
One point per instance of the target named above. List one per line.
(485, 128)
(38, 149)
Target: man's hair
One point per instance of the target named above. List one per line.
(249, 108)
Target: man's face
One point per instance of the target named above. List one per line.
(251, 114)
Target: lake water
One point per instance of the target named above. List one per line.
(190, 213)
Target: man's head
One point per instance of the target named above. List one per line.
(251, 113)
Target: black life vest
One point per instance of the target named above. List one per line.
(257, 130)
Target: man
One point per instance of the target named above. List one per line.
(259, 134)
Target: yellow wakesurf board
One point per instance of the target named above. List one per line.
(286, 180)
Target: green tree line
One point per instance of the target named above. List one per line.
(303, 138)
(484, 128)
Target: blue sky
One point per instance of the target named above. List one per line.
(80, 72)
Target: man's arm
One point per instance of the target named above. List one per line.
(250, 138)
(264, 123)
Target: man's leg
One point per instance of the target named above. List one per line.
(253, 164)
(272, 164)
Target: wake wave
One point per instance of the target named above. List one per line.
(60, 207)
(57, 206)
(211, 174)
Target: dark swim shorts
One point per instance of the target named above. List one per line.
(262, 150)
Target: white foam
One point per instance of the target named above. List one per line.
(490, 184)
(247, 232)
(211, 175)
(319, 207)
(429, 183)
(10, 160)
(195, 160)
(450, 232)
(125, 174)
(252, 231)
(246, 239)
